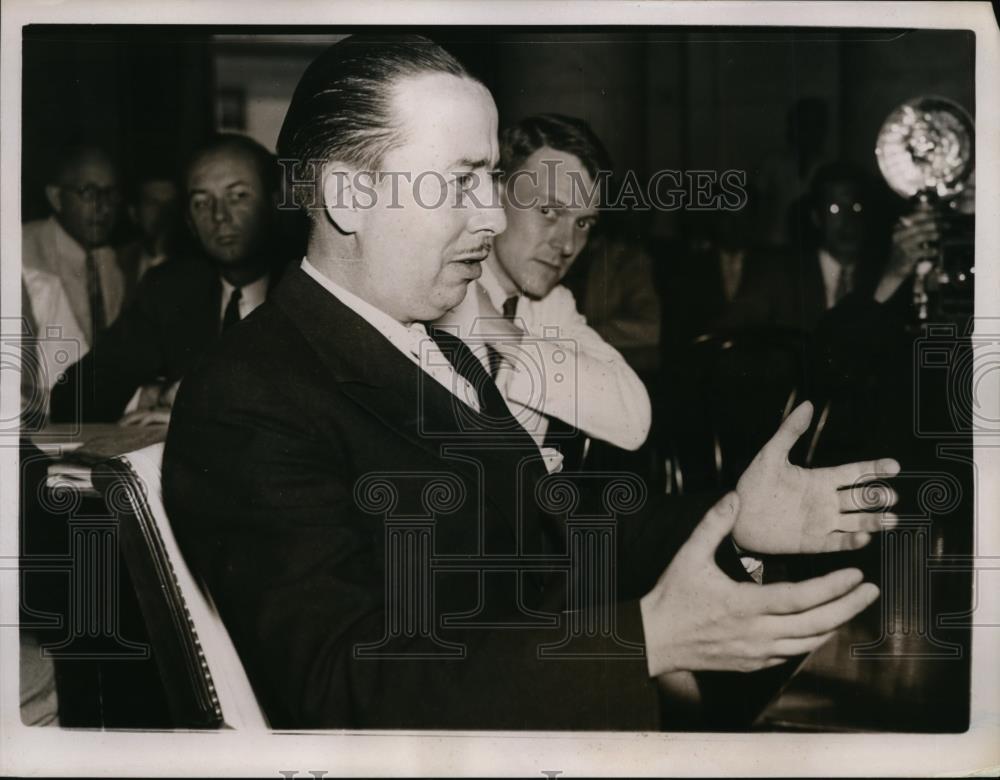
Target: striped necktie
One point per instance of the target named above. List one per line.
(844, 283)
(495, 360)
(95, 296)
(467, 365)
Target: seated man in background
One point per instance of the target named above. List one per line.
(701, 276)
(821, 308)
(616, 292)
(841, 257)
(72, 283)
(154, 212)
(550, 164)
(71, 289)
(182, 306)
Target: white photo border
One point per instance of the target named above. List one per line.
(26, 751)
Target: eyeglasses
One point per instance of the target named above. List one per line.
(91, 194)
(835, 208)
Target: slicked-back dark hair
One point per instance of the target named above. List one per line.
(566, 134)
(342, 106)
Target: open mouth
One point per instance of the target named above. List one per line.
(473, 258)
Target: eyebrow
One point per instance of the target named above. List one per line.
(465, 162)
(239, 183)
(563, 205)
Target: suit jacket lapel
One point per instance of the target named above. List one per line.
(205, 311)
(361, 360)
(379, 378)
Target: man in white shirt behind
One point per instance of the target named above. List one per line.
(73, 284)
(556, 373)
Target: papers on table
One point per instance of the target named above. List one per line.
(76, 449)
(73, 476)
(94, 443)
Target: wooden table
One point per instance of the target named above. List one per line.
(76, 448)
(895, 667)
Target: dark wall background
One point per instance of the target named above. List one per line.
(145, 93)
(679, 98)
(717, 99)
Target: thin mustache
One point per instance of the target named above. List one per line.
(483, 248)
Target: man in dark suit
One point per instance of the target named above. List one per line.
(181, 306)
(381, 536)
(839, 301)
(838, 258)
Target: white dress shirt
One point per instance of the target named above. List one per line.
(418, 347)
(46, 247)
(731, 269)
(53, 341)
(569, 372)
(251, 296)
(832, 270)
(147, 263)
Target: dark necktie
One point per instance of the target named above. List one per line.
(844, 283)
(491, 403)
(495, 418)
(95, 295)
(232, 314)
(509, 310)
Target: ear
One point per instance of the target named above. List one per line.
(53, 194)
(347, 194)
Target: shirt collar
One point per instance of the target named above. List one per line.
(251, 295)
(406, 339)
(491, 283)
(831, 269)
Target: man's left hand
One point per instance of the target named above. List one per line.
(788, 509)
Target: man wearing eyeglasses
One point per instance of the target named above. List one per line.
(72, 282)
(73, 244)
(837, 261)
(72, 288)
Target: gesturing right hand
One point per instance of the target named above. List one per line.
(697, 619)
